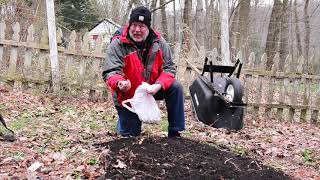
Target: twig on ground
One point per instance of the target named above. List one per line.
(229, 160)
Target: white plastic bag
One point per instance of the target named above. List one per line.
(144, 105)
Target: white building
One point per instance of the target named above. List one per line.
(104, 28)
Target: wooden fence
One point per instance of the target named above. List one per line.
(26, 64)
(291, 93)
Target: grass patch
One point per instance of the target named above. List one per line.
(2, 106)
(92, 162)
(187, 134)
(308, 157)
(45, 141)
(32, 134)
(41, 150)
(76, 174)
(93, 125)
(110, 122)
(2, 129)
(64, 142)
(23, 121)
(240, 151)
(19, 155)
(67, 109)
(164, 125)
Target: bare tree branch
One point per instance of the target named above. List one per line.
(161, 6)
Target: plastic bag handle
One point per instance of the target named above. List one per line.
(126, 106)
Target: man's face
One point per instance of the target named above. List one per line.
(138, 32)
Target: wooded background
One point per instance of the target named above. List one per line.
(271, 26)
(278, 41)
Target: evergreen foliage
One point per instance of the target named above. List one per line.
(76, 14)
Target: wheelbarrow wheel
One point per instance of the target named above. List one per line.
(234, 90)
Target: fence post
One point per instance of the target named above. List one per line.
(94, 67)
(14, 51)
(99, 44)
(311, 66)
(315, 112)
(258, 84)
(297, 68)
(247, 82)
(271, 84)
(302, 68)
(2, 37)
(28, 52)
(306, 82)
(283, 92)
(43, 56)
(96, 63)
(83, 62)
(69, 57)
(176, 59)
(239, 56)
(201, 56)
(215, 55)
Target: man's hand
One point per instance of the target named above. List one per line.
(124, 86)
(154, 88)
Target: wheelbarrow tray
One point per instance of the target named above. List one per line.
(209, 101)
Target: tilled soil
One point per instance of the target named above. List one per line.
(180, 158)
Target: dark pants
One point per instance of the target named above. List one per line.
(130, 125)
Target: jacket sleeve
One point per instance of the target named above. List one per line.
(113, 65)
(167, 76)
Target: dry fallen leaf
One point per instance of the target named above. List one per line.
(120, 165)
(35, 166)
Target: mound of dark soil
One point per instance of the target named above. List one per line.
(163, 158)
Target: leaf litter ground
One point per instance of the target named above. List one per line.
(71, 138)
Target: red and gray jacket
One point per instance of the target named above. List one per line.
(123, 61)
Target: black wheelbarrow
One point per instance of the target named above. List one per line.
(217, 100)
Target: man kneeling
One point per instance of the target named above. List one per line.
(139, 55)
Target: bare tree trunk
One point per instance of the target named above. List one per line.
(154, 14)
(207, 27)
(115, 11)
(164, 23)
(273, 33)
(187, 12)
(291, 27)
(244, 25)
(187, 21)
(216, 33)
(199, 24)
(225, 48)
(297, 29)
(284, 39)
(307, 29)
(234, 31)
(54, 62)
(174, 22)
